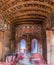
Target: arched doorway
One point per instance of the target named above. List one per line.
(34, 31)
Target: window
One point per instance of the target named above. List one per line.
(22, 45)
(34, 46)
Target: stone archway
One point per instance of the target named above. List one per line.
(29, 32)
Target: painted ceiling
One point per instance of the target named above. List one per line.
(24, 10)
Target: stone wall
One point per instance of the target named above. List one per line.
(1, 43)
(5, 36)
(7, 41)
(50, 46)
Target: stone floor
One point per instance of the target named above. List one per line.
(27, 60)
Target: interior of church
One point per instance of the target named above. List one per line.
(27, 31)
